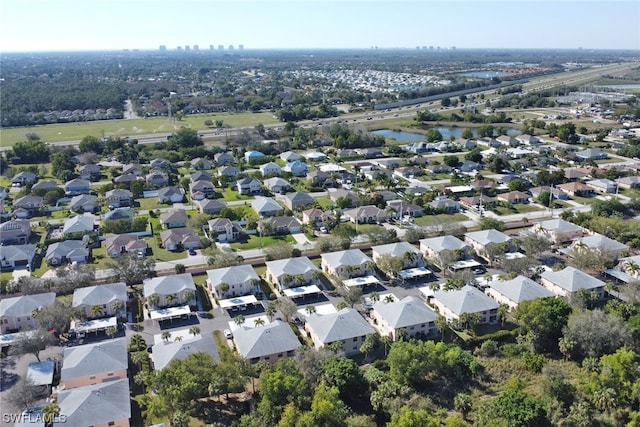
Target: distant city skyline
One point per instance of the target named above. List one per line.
(82, 25)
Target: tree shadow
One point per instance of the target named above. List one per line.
(8, 380)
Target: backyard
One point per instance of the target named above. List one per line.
(253, 242)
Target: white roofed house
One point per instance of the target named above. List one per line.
(569, 281)
(276, 184)
(410, 255)
(165, 351)
(433, 247)
(513, 292)
(292, 272)
(233, 281)
(94, 363)
(266, 207)
(409, 313)
(170, 195)
(102, 300)
(118, 198)
(248, 186)
(346, 327)
(84, 203)
(481, 240)
(270, 169)
(271, 342)
(603, 245)
(557, 230)
(104, 404)
(627, 270)
(174, 218)
(83, 224)
(454, 304)
(170, 291)
(347, 264)
(17, 313)
(66, 252)
(603, 185)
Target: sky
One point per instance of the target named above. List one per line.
(76, 25)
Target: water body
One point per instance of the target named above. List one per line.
(482, 74)
(629, 86)
(446, 132)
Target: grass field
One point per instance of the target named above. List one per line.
(438, 219)
(515, 209)
(160, 125)
(230, 194)
(254, 242)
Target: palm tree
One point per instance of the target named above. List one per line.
(189, 296)
(401, 334)
(117, 306)
(97, 311)
(111, 331)
(178, 338)
(385, 340)
(50, 413)
(239, 320)
(194, 330)
(375, 297)
(410, 257)
(137, 343)
(389, 298)
(166, 335)
(286, 279)
(632, 268)
(223, 288)
(271, 310)
(310, 309)
(503, 310)
(153, 300)
(441, 324)
(169, 299)
(139, 357)
(316, 275)
(299, 280)
(258, 322)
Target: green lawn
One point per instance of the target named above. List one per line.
(253, 242)
(230, 194)
(161, 254)
(160, 125)
(432, 219)
(583, 200)
(245, 211)
(368, 228)
(516, 208)
(325, 202)
(150, 203)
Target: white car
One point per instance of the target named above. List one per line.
(323, 230)
(227, 334)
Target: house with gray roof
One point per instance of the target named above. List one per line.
(229, 171)
(67, 252)
(266, 207)
(513, 292)
(118, 197)
(346, 326)
(409, 254)
(16, 255)
(317, 216)
(94, 363)
(629, 182)
(201, 189)
(409, 313)
(271, 342)
(174, 218)
(467, 300)
(77, 186)
(277, 184)
(17, 313)
(283, 224)
(603, 185)
(270, 169)
(79, 224)
(591, 154)
(290, 156)
(84, 203)
(297, 200)
(170, 195)
(29, 204)
(292, 272)
(557, 230)
(165, 351)
(223, 230)
(340, 193)
(347, 264)
(200, 176)
(366, 214)
(15, 232)
(210, 206)
(600, 244)
(200, 163)
(296, 168)
(177, 289)
(233, 281)
(106, 403)
(44, 185)
(248, 186)
(106, 300)
(90, 172)
(480, 240)
(223, 159)
(176, 239)
(119, 214)
(570, 280)
(433, 247)
(23, 178)
(121, 244)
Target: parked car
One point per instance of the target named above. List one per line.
(227, 334)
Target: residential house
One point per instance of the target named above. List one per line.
(408, 172)
(163, 352)
(317, 216)
(490, 142)
(600, 244)
(513, 292)
(119, 214)
(125, 244)
(131, 169)
(16, 256)
(94, 363)
(30, 205)
(248, 186)
(603, 185)
(223, 159)
(389, 163)
(229, 171)
(177, 239)
(66, 252)
(420, 147)
(591, 154)
(277, 185)
(467, 300)
(271, 342)
(175, 218)
(346, 326)
(79, 224)
(556, 192)
(104, 404)
(507, 141)
(526, 139)
(469, 167)
(629, 182)
(77, 186)
(347, 264)
(574, 175)
(409, 313)
(17, 313)
(433, 247)
(233, 281)
(210, 207)
(253, 156)
(170, 195)
(576, 189)
(283, 224)
(23, 178)
(319, 178)
(200, 163)
(315, 156)
(442, 203)
(478, 203)
(465, 144)
(292, 272)
(366, 215)
(266, 207)
(44, 185)
(297, 200)
(15, 232)
(369, 152)
(403, 208)
(160, 163)
(290, 156)
(174, 290)
(223, 230)
(90, 172)
(569, 281)
(514, 197)
(118, 198)
(157, 179)
(126, 179)
(296, 168)
(481, 240)
(557, 230)
(200, 190)
(410, 255)
(347, 194)
(84, 203)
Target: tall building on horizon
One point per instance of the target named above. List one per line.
(163, 48)
(240, 47)
(220, 47)
(230, 47)
(196, 48)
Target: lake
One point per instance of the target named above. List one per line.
(446, 132)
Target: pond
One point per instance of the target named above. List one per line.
(446, 132)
